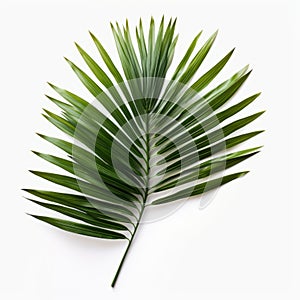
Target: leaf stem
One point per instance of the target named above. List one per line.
(126, 251)
(146, 192)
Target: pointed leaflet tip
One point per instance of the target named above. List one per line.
(68, 61)
(92, 35)
(112, 27)
(245, 68)
(231, 51)
(259, 147)
(214, 35)
(31, 191)
(242, 174)
(35, 152)
(198, 35)
(34, 216)
(56, 88)
(45, 116)
(151, 22)
(257, 94)
(118, 26)
(260, 131)
(77, 46)
(40, 135)
(170, 22)
(49, 97)
(49, 83)
(46, 111)
(31, 201)
(250, 71)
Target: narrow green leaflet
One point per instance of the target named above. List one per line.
(200, 188)
(81, 228)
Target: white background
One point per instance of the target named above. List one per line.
(244, 245)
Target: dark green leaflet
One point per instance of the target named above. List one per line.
(81, 228)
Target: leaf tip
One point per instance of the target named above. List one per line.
(77, 46)
(92, 36)
(232, 50)
(47, 96)
(33, 216)
(258, 94)
(67, 60)
(35, 152)
(262, 112)
(46, 110)
(40, 134)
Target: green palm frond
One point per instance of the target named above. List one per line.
(142, 140)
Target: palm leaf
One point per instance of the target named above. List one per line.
(145, 140)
